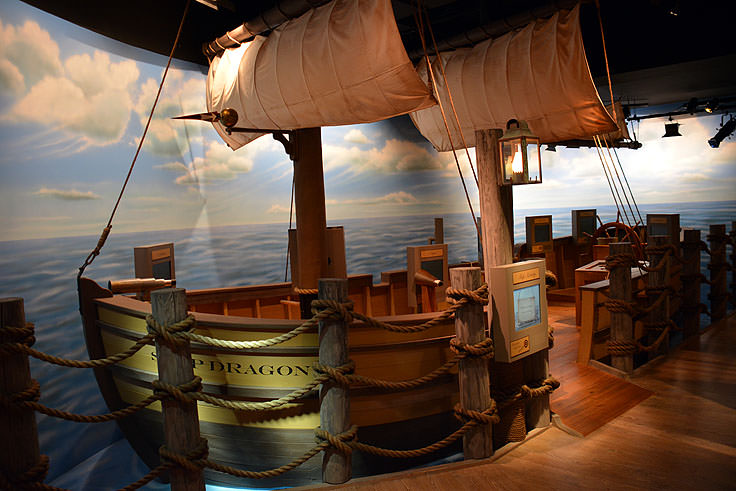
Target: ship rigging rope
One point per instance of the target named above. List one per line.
(626, 196)
(449, 95)
(605, 173)
(106, 231)
(291, 214)
(605, 57)
(641, 220)
(419, 20)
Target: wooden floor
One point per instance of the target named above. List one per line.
(587, 398)
(681, 435)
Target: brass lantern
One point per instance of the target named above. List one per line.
(521, 161)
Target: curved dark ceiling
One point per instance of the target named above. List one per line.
(641, 35)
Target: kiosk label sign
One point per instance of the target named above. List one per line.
(519, 346)
(526, 275)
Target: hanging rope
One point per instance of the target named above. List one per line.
(605, 172)
(106, 232)
(419, 20)
(605, 57)
(449, 95)
(626, 196)
(641, 220)
(291, 213)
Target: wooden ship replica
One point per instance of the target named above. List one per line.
(289, 83)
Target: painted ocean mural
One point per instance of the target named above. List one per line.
(43, 273)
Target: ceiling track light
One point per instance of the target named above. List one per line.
(712, 105)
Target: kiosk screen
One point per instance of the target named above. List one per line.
(526, 307)
(542, 233)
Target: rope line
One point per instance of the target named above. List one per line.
(28, 398)
(106, 231)
(418, 19)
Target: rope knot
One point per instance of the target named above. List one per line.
(621, 347)
(338, 374)
(484, 349)
(16, 339)
(32, 478)
(486, 417)
(194, 460)
(178, 392)
(340, 442)
(614, 305)
(332, 309)
(170, 333)
(620, 260)
(479, 296)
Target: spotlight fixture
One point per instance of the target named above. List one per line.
(671, 129)
(712, 105)
(723, 133)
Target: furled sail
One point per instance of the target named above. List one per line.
(341, 63)
(538, 74)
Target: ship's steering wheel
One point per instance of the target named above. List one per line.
(623, 233)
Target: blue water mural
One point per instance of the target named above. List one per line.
(43, 273)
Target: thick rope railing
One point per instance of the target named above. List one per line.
(30, 479)
(475, 418)
(178, 333)
(538, 388)
(461, 297)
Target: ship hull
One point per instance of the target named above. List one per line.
(261, 440)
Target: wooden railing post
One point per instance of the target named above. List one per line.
(334, 412)
(181, 422)
(19, 442)
(621, 323)
(732, 234)
(657, 279)
(691, 283)
(475, 389)
(717, 267)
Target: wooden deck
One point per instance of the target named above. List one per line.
(674, 429)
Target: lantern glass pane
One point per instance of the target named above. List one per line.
(511, 159)
(533, 159)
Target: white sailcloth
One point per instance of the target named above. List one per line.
(342, 63)
(538, 74)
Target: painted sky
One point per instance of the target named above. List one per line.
(73, 106)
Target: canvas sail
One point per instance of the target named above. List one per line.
(341, 63)
(538, 74)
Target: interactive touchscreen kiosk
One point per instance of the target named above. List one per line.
(583, 224)
(539, 234)
(520, 309)
(664, 224)
(155, 261)
(427, 267)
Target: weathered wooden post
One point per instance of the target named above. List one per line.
(691, 283)
(475, 389)
(732, 234)
(717, 267)
(19, 443)
(334, 412)
(181, 422)
(622, 331)
(657, 280)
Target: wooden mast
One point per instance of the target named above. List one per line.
(309, 199)
(496, 204)
(497, 227)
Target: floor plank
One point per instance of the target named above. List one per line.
(683, 436)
